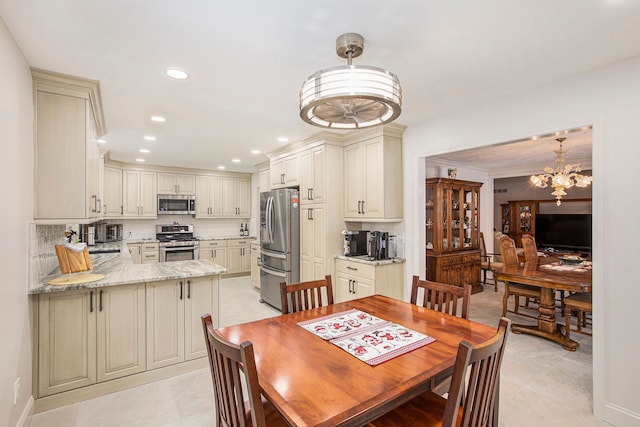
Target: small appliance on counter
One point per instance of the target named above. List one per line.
(378, 245)
(106, 233)
(355, 242)
(88, 234)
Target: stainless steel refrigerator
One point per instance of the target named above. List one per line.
(279, 242)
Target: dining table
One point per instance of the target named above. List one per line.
(550, 275)
(313, 382)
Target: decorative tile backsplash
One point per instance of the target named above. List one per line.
(42, 253)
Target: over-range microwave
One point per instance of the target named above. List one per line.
(176, 204)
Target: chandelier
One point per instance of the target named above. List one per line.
(350, 96)
(563, 177)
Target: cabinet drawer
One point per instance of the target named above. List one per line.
(238, 242)
(356, 269)
(149, 247)
(213, 244)
(452, 260)
(471, 258)
(149, 256)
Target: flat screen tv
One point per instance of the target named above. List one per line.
(568, 231)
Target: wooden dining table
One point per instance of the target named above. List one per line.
(313, 382)
(549, 281)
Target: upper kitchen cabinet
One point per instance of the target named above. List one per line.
(373, 175)
(112, 193)
(68, 121)
(208, 196)
(285, 171)
(313, 176)
(171, 183)
(140, 195)
(236, 197)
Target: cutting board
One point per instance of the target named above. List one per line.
(71, 261)
(76, 280)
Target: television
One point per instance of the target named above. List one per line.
(563, 231)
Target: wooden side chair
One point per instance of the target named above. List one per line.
(481, 364)
(530, 248)
(305, 295)
(510, 260)
(582, 303)
(441, 297)
(229, 363)
(486, 263)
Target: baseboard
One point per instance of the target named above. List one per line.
(27, 413)
(620, 417)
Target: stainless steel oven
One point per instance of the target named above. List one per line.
(177, 243)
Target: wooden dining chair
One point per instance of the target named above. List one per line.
(487, 264)
(580, 302)
(476, 376)
(530, 248)
(441, 297)
(510, 260)
(305, 295)
(229, 363)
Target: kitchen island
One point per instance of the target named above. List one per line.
(138, 324)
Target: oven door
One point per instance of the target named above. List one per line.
(178, 253)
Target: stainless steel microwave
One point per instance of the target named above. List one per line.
(176, 204)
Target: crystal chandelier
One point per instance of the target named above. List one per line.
(563, 177)
(350, 96)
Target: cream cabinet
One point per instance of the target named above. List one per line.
(172, 183)
(112, 193)
(68, 120)
(208, 196)
(140, 195)
(236, 197)
(134, 250)
(255, 264)
(264, 183)
(149, 253)
(312, 188)
(356, 279)
(373, 179)
(285, 172)
(214, 251)
(88, 336)
(174, 327)
(239, 256)
(312, 242)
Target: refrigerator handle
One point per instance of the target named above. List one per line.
(270, 218)
(273, 254)
(273, 272)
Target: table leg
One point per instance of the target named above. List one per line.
(547, 326)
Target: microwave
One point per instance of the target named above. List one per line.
(176, 204)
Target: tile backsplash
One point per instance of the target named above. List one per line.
(42, 253)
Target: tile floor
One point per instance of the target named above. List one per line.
(541, 384)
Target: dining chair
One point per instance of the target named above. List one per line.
(487, 264)
(530, 248)
(510, 260)
(231, 364)
(474, 394)
(305, 295)
(582, 303)
(441, 297)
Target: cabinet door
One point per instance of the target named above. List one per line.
(353, 181)
(93, 172)
(121, 339)
(198, 299)
(220, 257)
(203, 202)
(343, 288)
(234, 259)
(169, 183)
(277, 174)
(166, 183)
(292, 170)
(134, 250)
(148, 195)
(312, 243)
(165, 323)
(229, 206)
(112, 204)
(67, 341)
(364, 287)
(243, 197)
(245, 259)
(186, 184)
(206, 254)
(306, 177)
(264, 183)
(373, 175)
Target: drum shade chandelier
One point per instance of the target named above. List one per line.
(350, 96)
(563, 177)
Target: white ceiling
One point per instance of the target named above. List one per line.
(247, 60)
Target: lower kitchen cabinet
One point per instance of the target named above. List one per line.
(88, 336)
(255, 264)
(357, 280)
(214, 251)
(174, 327)
(135, 250)
(239, 256)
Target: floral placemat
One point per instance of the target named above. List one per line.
(370, 339)
(560, 266)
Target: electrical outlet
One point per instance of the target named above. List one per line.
(16, 391)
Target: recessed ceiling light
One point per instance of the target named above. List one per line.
(255, 151)
(150, 138)
(222, 167)
(235, 160)
(158, 119)
(283, 139)
(102, 141)
(143, 150)
(176, 74)
(140, 160)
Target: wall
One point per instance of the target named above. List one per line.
(607, 99)
(16, 134)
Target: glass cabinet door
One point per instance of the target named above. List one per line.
(430, 217)
(525, 218)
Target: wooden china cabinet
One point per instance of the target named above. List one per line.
(523, 219)
(452, 232)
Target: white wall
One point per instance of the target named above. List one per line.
(16, 174)
(607, 98)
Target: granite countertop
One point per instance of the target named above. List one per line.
(118, 269)
(225, 237)
(364, 259)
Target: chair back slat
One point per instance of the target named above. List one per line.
(441, 297)
(530, 247)
(508, 252)
(305, 295)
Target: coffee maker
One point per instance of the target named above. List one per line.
(355, 242)
(378, 245)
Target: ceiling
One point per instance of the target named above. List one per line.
(247, 60)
